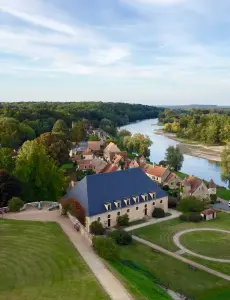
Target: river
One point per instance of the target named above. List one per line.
(199, 167)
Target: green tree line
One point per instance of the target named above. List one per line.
(207, 126)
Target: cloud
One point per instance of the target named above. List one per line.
(109, 56)
(40, 21)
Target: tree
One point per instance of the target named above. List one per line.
(225, 165)
(93, 137)
(97, 228)
(14, 133)
(122, 133)
(60, 129)
(74, 207)
(10, 187)
(7, 161)
(57, 148)
(121, 237)
(41, 178)
(77, 133)
(191, 204)
(106, 247)
(15, 204)
(174, 157)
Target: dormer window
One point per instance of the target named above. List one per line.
(117, 204)
(152, 195)
(127, 201)
(135, 199)
(108, 206)
(144, 197)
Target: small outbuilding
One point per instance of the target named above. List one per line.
(208, 214)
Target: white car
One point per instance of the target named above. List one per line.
(229, 203)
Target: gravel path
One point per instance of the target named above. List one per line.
(176, 240)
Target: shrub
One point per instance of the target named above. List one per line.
(121, 237)
(184, 218)
(97, 228)
(213, 198)
(158, 213)
(195, 217)
(191, 203)
(166, 188)
(105, 247)
(15, 204)
(123, 220)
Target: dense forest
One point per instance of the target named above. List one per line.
(210, 126)
(25, 121)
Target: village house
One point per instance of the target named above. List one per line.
(84, 165)
(212, 188)
(99, 164)
(193, 186)
(156, 173)
(87, 154)
(110, 151)
(109, 195)
(172, 181)
(94, 146)
(133, 164)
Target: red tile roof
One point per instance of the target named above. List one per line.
(193, 182)
(94, 145)
(109, 168)
(208, 212)
(154, 170)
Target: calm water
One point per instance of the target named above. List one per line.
(199, 167)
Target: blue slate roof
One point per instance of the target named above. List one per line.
(96, 190)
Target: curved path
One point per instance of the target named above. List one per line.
(176, 240)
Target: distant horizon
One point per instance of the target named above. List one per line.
(157, 105)
(138, 51)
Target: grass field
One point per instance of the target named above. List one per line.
(37, 261)
(138, 285)
(162, 233)
(208, 243)
(177, 275)
(223, 193)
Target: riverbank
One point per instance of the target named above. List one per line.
(191, 148)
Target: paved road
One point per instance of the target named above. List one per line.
(176, 240)
(108, 281)
(222, 206)
(174, 214)
(181, 258)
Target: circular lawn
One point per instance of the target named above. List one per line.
(208, 243)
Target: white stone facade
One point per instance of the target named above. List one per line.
(136, 211)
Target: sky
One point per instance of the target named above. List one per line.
(137, 51)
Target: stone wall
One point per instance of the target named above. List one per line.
(80, 228)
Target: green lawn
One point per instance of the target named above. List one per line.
(67, 166)
(208, 243)
(223, 193)
(138, 285)
(177, 275)
(37, 261)
(162, 233)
